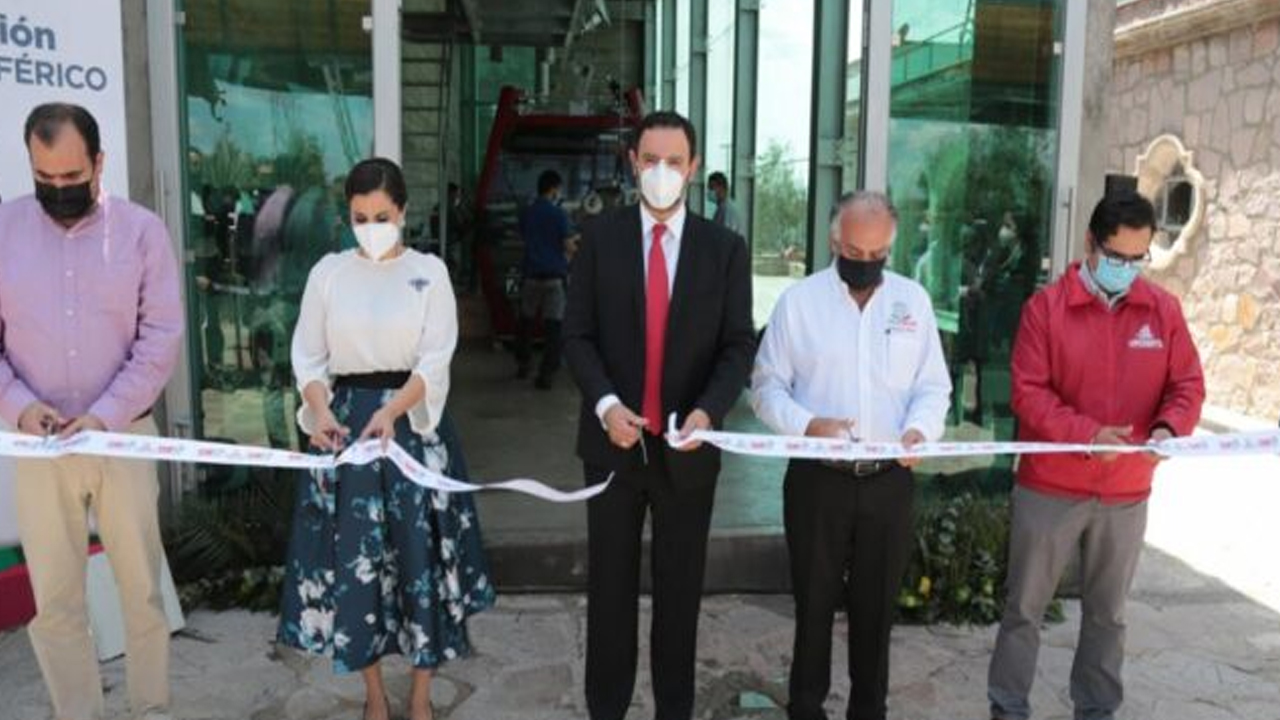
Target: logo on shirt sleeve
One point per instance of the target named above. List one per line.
(419, 283)
(1146, 340)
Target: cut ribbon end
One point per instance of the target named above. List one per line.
(673, 434)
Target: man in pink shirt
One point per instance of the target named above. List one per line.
(90, 328)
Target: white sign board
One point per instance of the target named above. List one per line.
(65, 51)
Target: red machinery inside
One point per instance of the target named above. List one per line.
(589, 152)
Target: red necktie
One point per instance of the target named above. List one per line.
(657, 300)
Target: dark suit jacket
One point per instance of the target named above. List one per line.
(710, 339)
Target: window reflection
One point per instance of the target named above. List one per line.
(972, 142)
(273, 121)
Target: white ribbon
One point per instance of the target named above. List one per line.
(1265, 442)
(146, 447)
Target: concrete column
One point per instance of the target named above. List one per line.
(1086, 103)
(137, 103)
(746, 59)
(830, 53)
(698, 91)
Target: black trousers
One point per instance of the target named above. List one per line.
(550, 348)
(849, 540)
(681, 519)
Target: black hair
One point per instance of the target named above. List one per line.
(549, 180)
(718, 178)
(1120, 208)
(377, 174)
(671, 120)
(47, 120)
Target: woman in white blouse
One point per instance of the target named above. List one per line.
(378, 565)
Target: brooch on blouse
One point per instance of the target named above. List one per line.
(419, 283)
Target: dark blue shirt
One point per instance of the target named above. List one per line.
(544, 227)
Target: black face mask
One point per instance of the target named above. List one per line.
(860, 275)
(70, 202)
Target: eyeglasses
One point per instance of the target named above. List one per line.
(1140, 261)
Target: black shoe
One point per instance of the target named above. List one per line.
(543, 382)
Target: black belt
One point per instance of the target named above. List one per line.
(388, 380)
(545, 276)
(861, 468)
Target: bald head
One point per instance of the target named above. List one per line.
(863, 225)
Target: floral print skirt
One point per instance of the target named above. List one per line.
(378, 565)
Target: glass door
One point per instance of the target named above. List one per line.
(973, 142)
(277, 104)
(784, 93)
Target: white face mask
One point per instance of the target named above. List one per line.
(377, 239)
(662, 186)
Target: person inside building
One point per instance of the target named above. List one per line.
(547, 235)
(379, 565)
(727, 214)
(851, 352)
(1102, 356)
(91, 321)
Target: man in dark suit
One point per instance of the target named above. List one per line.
(658, 322)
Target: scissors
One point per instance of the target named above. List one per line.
(50, 426)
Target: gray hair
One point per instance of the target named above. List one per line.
(866, 200)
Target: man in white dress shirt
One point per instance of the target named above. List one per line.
(851, 351)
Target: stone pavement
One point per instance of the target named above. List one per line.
(1198, 651)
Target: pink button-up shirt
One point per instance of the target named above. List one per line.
(91, 318)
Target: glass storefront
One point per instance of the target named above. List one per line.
(779, 233)
(278, 106)
(972, 150)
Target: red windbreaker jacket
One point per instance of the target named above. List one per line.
(1078, 366)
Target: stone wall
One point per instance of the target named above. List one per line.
(1220, 94)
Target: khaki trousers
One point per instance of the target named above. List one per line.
(53, 499)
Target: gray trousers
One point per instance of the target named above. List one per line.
(545, 294)
(1045, 533)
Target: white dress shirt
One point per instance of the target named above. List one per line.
(670, 242)
(671, 253)
(880, 366)
(360, 316)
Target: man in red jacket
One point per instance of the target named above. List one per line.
(1102, 357)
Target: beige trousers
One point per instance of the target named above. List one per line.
(53, 499)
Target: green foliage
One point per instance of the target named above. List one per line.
(301, 165)
(226, 166)
(226, 545)
(1009, 170)
(781, 203)
(257, 589)
(957, 574)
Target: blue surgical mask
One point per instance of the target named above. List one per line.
(1115, 276)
